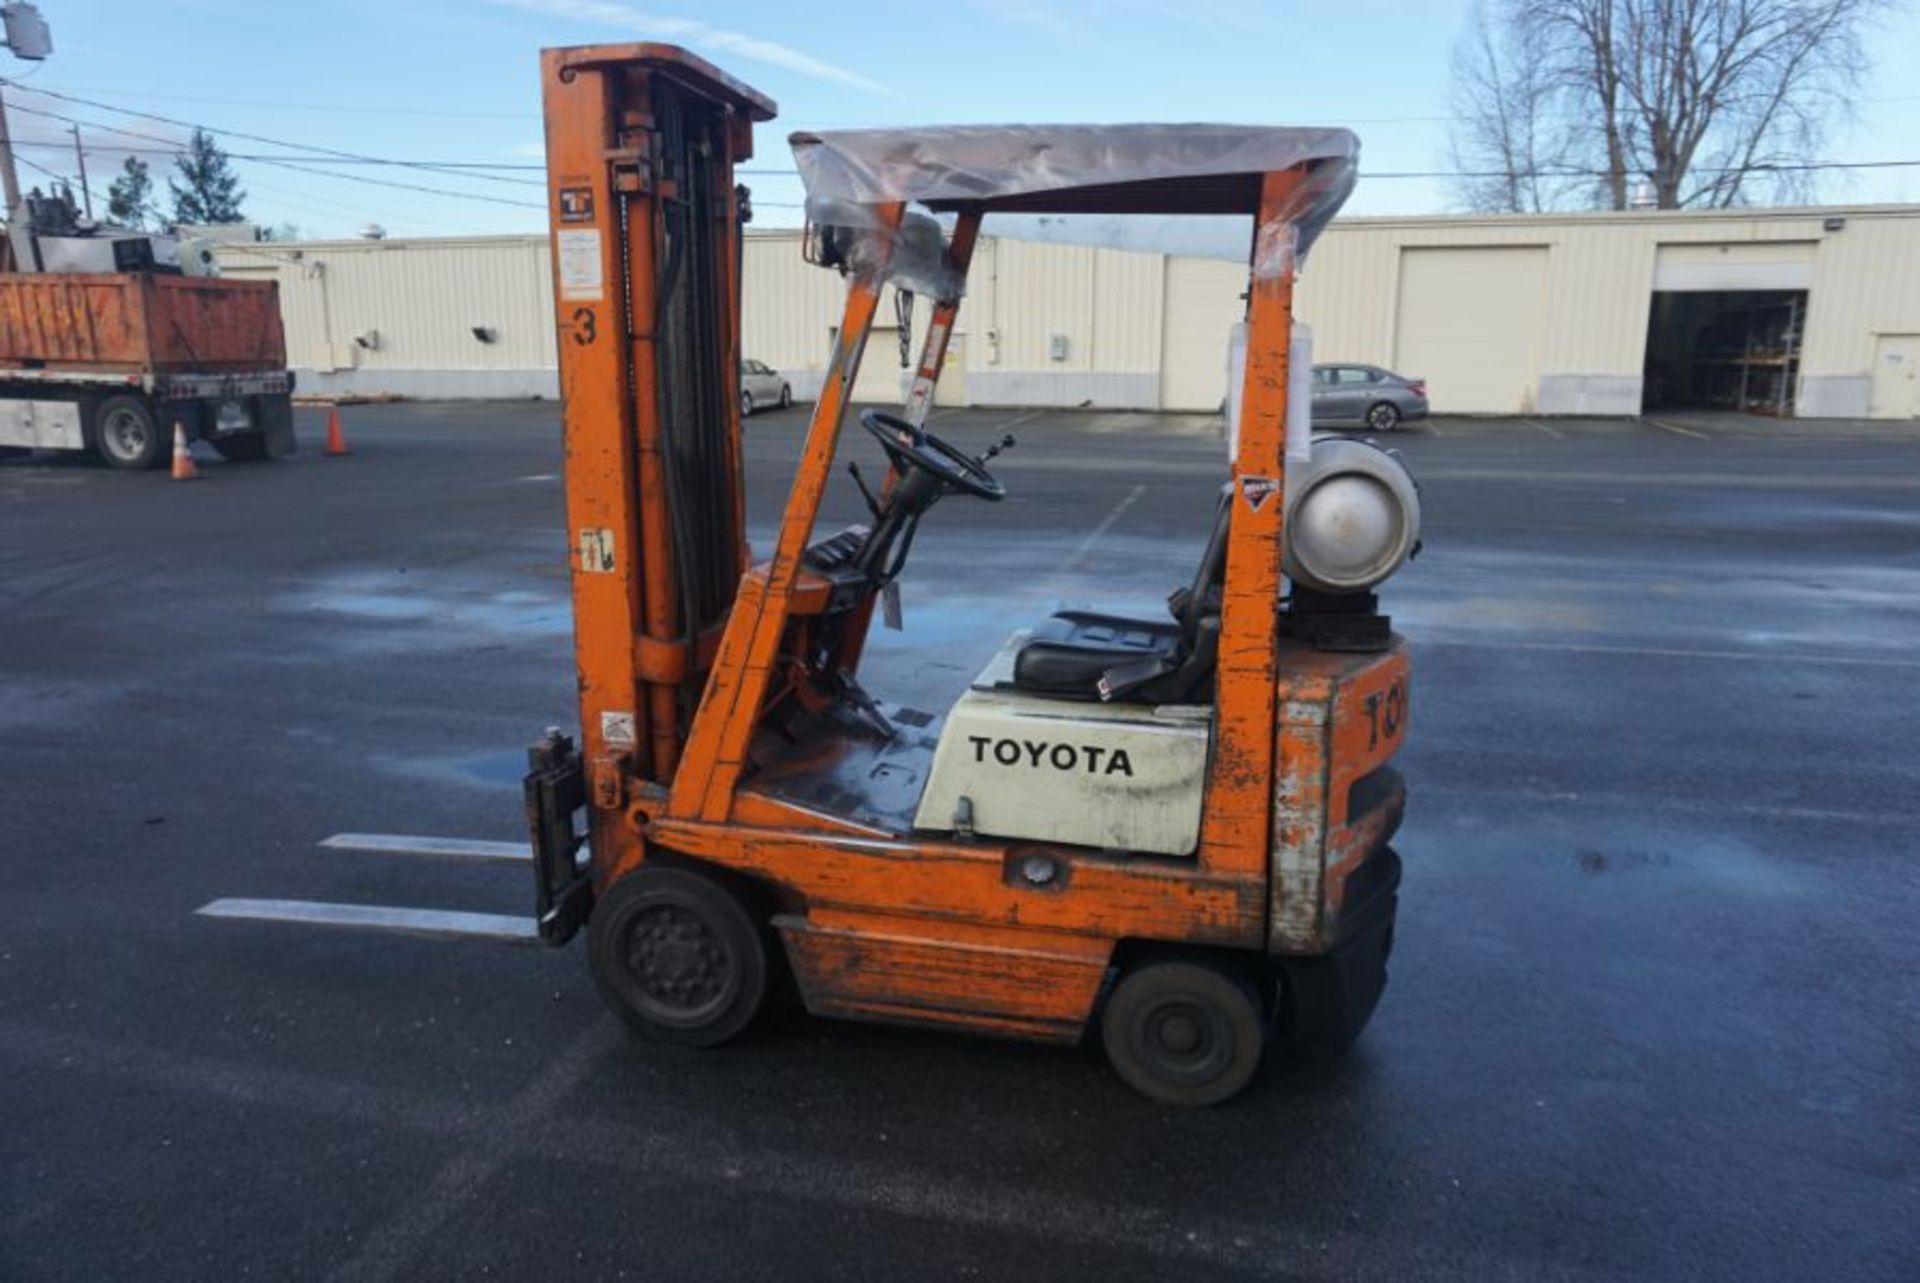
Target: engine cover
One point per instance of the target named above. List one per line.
(1116, 776)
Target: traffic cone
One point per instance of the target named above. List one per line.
(336, 439)
(184, 468)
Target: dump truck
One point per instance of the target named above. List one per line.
(109, 339)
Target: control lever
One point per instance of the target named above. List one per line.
(1004, 443)
(873, 504)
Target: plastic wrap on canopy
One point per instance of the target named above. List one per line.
(1073, 169)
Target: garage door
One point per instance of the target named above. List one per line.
(1762, 265)
(1203, 304)
(1471, 323)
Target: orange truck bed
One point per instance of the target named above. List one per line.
(139, 322)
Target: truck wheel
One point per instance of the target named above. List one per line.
(241, 447)
(126, 436)
(1184, 1031)
(677, 956)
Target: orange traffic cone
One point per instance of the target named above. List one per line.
(336, 439)
(184, 468)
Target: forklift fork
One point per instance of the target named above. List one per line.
(555, 788)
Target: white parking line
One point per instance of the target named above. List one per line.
(1679, 652)
(1551, 431)
(453, 848)
(1099, 532)
(1634, 802)
(1018, 419)
(1664, 426)
(437, 924)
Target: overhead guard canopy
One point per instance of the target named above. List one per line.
(1077, 169)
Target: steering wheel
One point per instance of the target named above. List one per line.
(914, 447)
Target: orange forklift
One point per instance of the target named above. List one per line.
(1175, 829)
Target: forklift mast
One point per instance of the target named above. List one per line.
(641, 147)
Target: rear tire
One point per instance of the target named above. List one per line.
(126, 435)
(678, 957)
(1383, 416)
(241, 447)
(746, 404)
(786, 396)
(1182, 1031)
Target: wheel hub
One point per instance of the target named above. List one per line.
(677, 961)
(1181, 1040)
(1179, 1033)
(127, 433)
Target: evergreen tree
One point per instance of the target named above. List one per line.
(205, 188)
(130, 197)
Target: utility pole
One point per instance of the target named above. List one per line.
(80, 159)
(25, 32)
(9, 180)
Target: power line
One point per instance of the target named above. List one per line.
(357, 108)
(317, 156)
(316, 152)
(405, 187)
(241, 155)
(174, 148)
(1758, 168)
(33, 164)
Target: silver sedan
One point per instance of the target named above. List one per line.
(762, 386)
(1365, 396)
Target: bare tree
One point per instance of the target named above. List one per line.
(1580, 102)
(1508, 141)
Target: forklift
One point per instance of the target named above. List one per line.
(1171, 833)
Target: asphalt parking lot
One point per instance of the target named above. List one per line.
(1655, 1006)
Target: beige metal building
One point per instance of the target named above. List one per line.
(1814, 312)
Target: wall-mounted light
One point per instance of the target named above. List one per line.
(485, 333)
(1835, 224)
(370, 340)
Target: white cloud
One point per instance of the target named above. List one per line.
(660, 27)
(1025, 13)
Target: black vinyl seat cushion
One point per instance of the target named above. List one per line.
(1082, 654)
(1068, 653)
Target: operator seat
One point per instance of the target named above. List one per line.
(1081, 654)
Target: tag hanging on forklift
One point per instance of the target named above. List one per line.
(890, 606)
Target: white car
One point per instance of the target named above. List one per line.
(762, 386)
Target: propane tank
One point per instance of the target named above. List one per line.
(1353, 516)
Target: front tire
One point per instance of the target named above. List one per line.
(1383, 416)
(677, 957)
(1184, 1031)
(126, 435)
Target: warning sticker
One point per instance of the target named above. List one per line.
(596, 551)
(582, 277)
(576, 204)
(616, 728)
(1257, 490)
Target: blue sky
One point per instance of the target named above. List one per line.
(456, 81)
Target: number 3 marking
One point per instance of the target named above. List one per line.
(585, 326)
